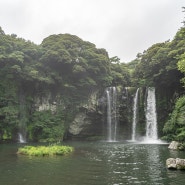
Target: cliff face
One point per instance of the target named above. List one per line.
(87, 121)
(52, 114)
(92, 117)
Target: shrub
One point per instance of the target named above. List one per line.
(174, 128)
(45, 150)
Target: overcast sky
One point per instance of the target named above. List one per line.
(123, 27)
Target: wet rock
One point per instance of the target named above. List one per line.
(174, 145)
(180, 164)
(172, 163)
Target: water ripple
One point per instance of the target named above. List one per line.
(93, 164)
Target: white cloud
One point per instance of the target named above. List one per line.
(123, 27)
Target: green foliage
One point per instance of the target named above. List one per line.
(63, 64)
(45, 150)
(157, 66)
(75, 60)
(46, 126)
(120, 75)
(9, 108)
(181, 66)
(175, 127)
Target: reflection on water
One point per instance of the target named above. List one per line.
(98, 163)
(154, 159)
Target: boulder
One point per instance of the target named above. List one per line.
(174, 145)
(180, 164)
(172, 163)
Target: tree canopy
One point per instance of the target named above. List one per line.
(61, 63)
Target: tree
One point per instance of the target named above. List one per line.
(174, 128)
(181, 67)
(184, 17)
(1, 31)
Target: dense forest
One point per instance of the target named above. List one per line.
(44, 86)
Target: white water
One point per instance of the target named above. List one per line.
(22, 122)
(21, 138)
(134, 120)
(111, 94)
(109, 121)
(151, 116)
(114, 113)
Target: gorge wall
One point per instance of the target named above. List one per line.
(50, 117)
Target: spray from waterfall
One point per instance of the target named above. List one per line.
(151, 115)
(135, 110)
(111, 95)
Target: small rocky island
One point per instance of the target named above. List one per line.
(177, 163)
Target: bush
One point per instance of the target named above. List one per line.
(174, 128)
(45, 150)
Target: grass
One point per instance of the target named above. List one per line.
(45, 150)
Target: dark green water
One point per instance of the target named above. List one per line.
(92, 163)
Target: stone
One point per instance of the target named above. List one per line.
(174, 145)
(46, 103)
(77, 125)
(172, 163)
(180, 164)
(86, 121)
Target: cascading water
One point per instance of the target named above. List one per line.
(134, 120)
(109, 120)
(111, 95)
(151, 116)
(21, 138)
(115, 112)
(22, 122)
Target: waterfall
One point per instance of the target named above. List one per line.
(134, 120)
(21, 138)
(126, 92)
(111, 95)
(109, 121)
(22, 122)
(151, 116)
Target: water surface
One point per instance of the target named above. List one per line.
(92, 163)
